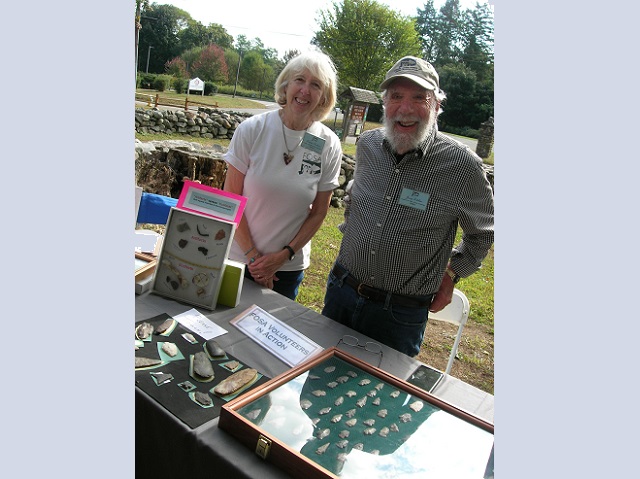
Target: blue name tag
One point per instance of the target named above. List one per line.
(414, 199)
(312, 142)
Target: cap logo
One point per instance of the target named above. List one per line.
(406, 64)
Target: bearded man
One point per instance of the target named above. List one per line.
(412, 188)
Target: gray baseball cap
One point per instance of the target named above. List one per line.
(415, 69)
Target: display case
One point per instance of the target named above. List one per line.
(337, 416)
(191, 262)
(145, 266)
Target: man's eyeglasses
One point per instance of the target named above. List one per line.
(369, 346)
(396, 99)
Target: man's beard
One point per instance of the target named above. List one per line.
(404, 142)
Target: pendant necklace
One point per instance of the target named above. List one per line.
(288, 156)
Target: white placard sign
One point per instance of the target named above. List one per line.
(199, 324)
(272, 334)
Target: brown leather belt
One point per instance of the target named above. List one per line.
(378, 295)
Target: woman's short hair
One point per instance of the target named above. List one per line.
(321, 67)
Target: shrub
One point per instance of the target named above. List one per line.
(210, 88)
(179, 85)
(162, 82)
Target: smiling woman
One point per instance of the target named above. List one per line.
(287, 164)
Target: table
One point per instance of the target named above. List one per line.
(166, 447)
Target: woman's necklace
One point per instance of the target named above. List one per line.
(288, 156)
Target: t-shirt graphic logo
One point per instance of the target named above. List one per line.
(311, 164)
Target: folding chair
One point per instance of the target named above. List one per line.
(456, 312)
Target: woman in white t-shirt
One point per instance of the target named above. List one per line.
(286, 163)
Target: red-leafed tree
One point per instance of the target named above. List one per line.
(211, 65)
(176, 67)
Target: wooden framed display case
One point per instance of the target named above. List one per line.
(336, 416)
(145, 266)
(191, 262)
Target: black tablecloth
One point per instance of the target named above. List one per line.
(167, 446)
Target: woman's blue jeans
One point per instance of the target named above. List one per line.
(288, 282)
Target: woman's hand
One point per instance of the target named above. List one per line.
(265, 266)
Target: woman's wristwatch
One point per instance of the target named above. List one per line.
(292, 254)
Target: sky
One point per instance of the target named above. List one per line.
(280, 24)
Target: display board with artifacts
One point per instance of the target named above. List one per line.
(191, 263)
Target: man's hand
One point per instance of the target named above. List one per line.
(443, 295)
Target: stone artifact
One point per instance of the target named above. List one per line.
(202, 398)
(170, 348)
(235, 382)
(146, 362)
(214, 350)
(202, 368)
(165, 326)
(144, 330)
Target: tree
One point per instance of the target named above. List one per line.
(425, 25)
(211, 65)
(460, 45)
(161, 25)
(364, 38)
(477, 40)
(254, 71)
(197, 35)
(176, 67)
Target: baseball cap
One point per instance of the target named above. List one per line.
(415, 69)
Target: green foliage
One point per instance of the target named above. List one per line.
(460, 45)
(461, 131)
(364, 38)
(160, 27)
(198, 35)
(180, 84)
(255, 74)
(468, 103)
(162, 82)
(210, 88)
(176, 67)
(145, 80)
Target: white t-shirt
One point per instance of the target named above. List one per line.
(279, 195)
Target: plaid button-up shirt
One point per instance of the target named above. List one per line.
(401, 218)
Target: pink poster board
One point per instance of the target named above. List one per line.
(211, 202)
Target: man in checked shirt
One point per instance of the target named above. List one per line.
(412, 187)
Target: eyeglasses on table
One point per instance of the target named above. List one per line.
(369, 346)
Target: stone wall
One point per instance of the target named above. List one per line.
(162, 166)
(204, 123)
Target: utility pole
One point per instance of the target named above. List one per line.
(148, 55)
(138, 27)
(237, 74)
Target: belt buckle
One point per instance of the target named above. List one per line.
(359, 291)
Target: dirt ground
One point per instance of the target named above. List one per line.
(474, 360)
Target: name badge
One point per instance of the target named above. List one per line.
(312, 142)
(414, 199)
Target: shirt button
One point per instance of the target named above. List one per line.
(388, 197)
(397, 171)
(373, 252)
(378, 225)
